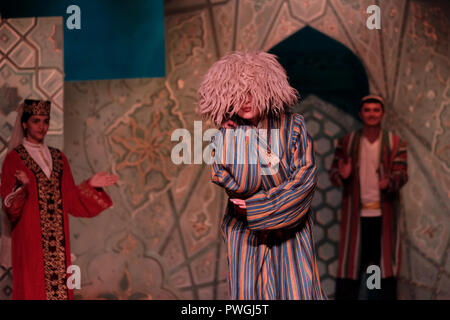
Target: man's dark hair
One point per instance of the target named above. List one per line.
(371, 100)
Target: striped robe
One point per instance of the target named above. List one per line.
(270, 251)
(393, 163)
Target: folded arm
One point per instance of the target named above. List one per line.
(284, 206)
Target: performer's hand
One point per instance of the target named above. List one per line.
(384, 182)
(240, 206)
(345, 168)
(103, 179)
(22, 177)
(229, 124)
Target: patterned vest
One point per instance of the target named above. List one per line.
(52, 223)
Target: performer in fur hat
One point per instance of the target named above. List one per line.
(267, 225)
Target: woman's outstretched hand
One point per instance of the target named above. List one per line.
(103, 179)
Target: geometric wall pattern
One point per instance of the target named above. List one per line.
(326, 123)
(161, 239)
(160, 242)
(31, 67)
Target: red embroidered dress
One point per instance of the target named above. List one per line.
(40, 222)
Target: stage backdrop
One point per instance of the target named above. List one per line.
(162, 239)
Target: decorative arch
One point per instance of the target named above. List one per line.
(319, 65)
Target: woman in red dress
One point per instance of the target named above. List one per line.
(38, 192)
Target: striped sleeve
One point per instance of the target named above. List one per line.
(222, 177)
(241, 178)
(399, 172)
(219, 174)
(284, 206)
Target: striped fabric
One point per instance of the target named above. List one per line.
(271, 253)
(393, 163)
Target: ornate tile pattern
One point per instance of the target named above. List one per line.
(326, 123)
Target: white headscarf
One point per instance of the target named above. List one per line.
(17, 133)
(5, 244)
